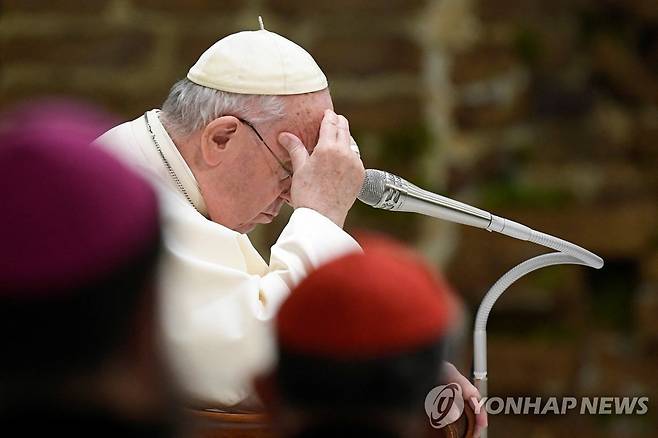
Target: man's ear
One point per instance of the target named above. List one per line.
(215, 138)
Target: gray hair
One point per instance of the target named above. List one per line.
(190, 107)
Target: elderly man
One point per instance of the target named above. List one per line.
(251, 127)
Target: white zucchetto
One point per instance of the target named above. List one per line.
(258, 62)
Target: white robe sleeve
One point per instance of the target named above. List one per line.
(218, 295)
(308, 241)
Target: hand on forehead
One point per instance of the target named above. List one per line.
(304, 116)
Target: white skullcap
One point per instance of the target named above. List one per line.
(258, 62)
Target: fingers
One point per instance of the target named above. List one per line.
(296, 150)
(334, 130)
(354, 147)
(480, 423)
(469, 393)
(343, 134)
(328, 127)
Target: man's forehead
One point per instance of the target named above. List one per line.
(306, 126)
(304, 115)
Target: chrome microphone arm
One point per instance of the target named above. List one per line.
(417, 199)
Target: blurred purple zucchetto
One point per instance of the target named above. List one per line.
(71, 213)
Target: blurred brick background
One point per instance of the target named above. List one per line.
(544, 111)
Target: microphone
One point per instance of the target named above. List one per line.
(390, 192)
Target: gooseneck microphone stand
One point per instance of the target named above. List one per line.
(390, 192)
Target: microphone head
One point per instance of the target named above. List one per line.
(373, 187)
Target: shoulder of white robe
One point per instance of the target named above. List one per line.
(177, 162)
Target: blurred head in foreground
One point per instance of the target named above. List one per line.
(80, 238)
(360, 345)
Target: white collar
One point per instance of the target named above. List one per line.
(176, 161)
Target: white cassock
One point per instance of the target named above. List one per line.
(217, 293)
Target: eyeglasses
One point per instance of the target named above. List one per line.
(288, 173)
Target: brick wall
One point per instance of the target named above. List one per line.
(542, 111)
(553, 122)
